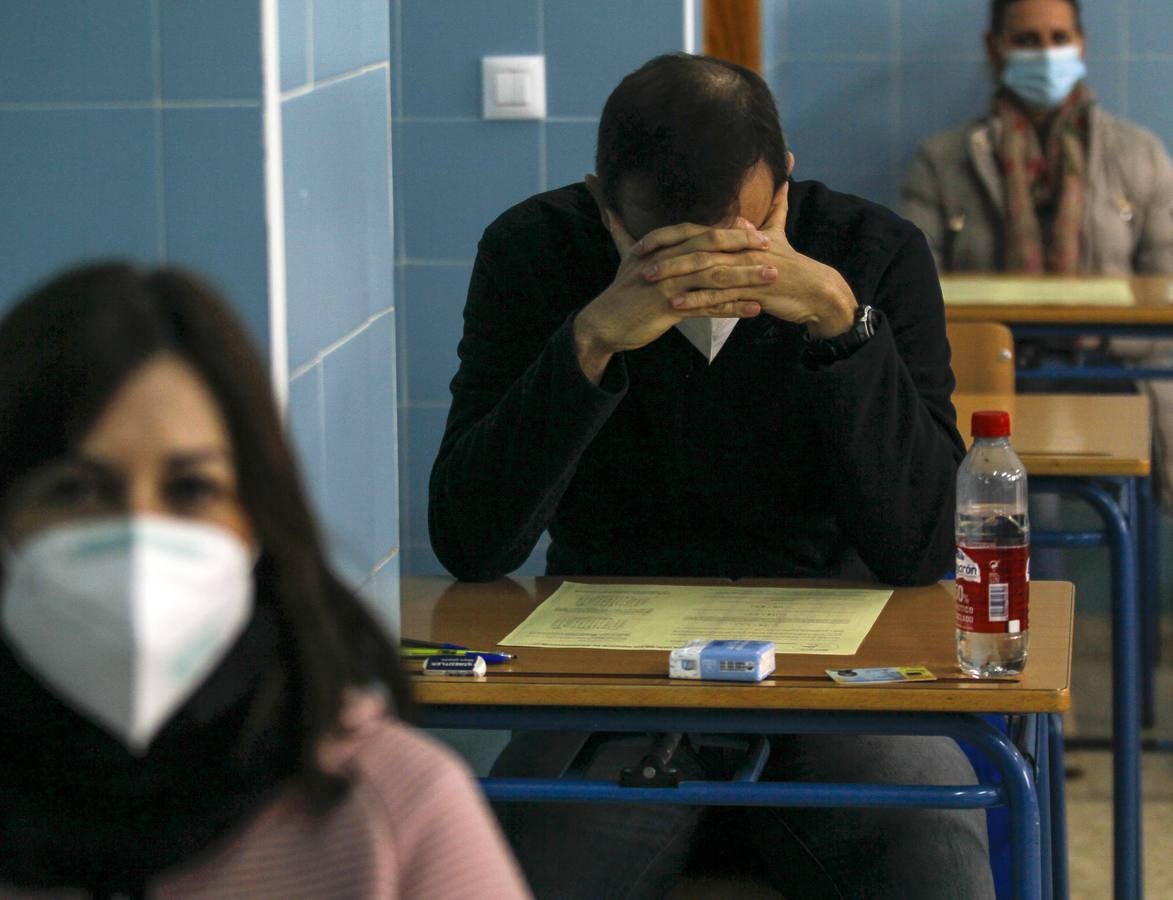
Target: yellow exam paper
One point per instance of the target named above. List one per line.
(662, 617)
(1050, 291)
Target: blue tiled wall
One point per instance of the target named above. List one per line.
(454, 173)
(132, 128)
(335, 107)
(862, 82)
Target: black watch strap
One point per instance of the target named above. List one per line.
(821, 351)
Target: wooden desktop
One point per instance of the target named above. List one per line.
(915, 628)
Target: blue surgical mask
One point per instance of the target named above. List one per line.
(1043, 78)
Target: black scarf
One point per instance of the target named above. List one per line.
(77, 809)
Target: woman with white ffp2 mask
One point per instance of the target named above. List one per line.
(192, 705)
(128, 566)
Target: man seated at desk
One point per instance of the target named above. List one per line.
(811, 435)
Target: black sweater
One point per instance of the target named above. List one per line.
(755, 465)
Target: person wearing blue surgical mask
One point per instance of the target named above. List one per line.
(191, 703)
(1047, 181)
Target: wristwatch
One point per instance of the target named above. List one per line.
(820, 351)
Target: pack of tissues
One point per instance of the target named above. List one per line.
(722, 660)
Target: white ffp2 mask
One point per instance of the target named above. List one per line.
(707, 335)
(125, 618)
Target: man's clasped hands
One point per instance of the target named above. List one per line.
(725, 270)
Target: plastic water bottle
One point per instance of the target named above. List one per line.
(993, 552)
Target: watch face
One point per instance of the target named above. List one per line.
(866, 322)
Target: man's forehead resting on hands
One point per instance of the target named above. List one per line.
(681, 142)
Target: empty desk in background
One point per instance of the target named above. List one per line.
(1097, 447)
(628, 690)
(1150, 314)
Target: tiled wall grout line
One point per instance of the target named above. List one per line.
(323, 444)
(402, 466)
(401, 354)
(156, 51)
(382, 563)
(1126, 49)
(398, 220)
(391, 175)
(403, 427)
(338, 344)
(448, 120)
(783, 46)
(395, 555)
(304, 89)
(845, 57)
(122, 105)
(897, 80)
(543, 163)
(309, 42)
(399, 383)
(397, 10)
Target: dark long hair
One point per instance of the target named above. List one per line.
(67, 347)
(682, 131)
(998, 14)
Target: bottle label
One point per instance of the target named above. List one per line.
(993, 589)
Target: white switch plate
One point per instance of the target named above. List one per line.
(513, 87)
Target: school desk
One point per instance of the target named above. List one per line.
(628, 690)
(1097, 447)
(1149, 315)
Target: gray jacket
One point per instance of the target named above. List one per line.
(954, 193)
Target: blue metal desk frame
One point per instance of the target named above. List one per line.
(1037, 833)
(1090, 373)
(1125, 506)
(1147, 560)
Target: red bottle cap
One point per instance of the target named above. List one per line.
(990, 423)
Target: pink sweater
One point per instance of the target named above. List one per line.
(414, 825)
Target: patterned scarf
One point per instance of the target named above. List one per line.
(1048, 177)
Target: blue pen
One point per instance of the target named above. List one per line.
(428, 652)
(430, 645)
(493, 659)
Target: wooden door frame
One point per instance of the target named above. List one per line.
(733, 31)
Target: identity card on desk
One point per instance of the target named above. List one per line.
(661, 617)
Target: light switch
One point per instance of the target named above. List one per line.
(513, 87)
